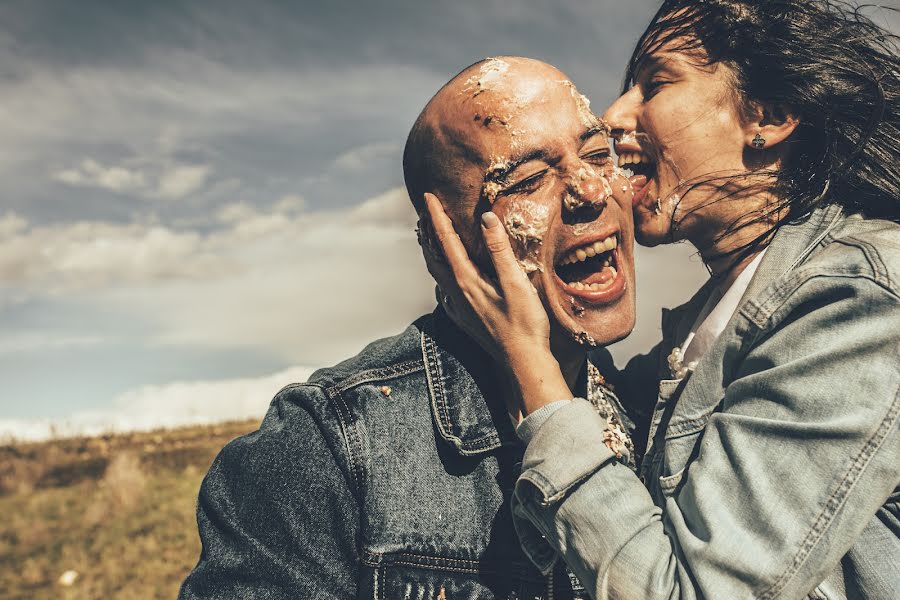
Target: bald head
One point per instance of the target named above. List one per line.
(489, 99)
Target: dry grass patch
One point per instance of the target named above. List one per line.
(119, 511)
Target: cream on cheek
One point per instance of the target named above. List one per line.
(527, 223)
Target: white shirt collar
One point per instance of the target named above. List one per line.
(716, 313)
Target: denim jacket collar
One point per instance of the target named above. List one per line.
(792, 244)
(466, 400)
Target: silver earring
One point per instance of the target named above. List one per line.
(658, 209)
(759, 142)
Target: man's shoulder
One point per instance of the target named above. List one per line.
(320, 400)
(385, 358)
(305, 415)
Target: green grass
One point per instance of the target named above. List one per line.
(118, 510)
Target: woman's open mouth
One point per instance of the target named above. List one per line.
(591, 271)
(641, 168)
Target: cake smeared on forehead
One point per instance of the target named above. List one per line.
(587, 116)
(489, 76)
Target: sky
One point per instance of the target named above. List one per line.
(203, 201)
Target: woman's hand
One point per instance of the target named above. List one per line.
(507, 319)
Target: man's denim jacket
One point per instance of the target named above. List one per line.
(387, 476)
(771, 471)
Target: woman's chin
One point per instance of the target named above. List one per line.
(651, 229)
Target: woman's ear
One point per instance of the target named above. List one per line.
(770, 125)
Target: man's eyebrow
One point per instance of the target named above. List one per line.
(601, 127)
(500, 174)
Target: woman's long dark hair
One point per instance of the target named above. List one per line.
(829, 64)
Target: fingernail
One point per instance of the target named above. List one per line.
(489, 219)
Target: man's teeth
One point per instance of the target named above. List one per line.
(595, 286)
(582, 254)
(633, 158)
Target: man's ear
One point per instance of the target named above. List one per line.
(770, 125)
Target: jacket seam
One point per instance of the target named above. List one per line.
(350, 437)
(690, 426)
(379, 560)
(356, 483)
(379, 374)
(873, 257)
(817, 241)
(836, 500)
(760, 316)
(437, 389)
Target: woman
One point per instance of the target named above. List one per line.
(766, 133)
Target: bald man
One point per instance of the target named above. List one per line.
(389, 475)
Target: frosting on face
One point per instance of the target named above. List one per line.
(526, 223)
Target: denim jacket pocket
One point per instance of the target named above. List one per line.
(681, 444)
(680, 449)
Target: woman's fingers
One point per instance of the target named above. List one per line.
(453, 248)
(505, 263)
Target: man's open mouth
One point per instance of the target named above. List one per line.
(591, 270)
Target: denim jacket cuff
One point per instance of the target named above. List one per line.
(567, 449)
(534, 542)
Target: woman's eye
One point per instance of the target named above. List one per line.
(653, 86)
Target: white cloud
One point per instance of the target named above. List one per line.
(302, 285)
(88, 255)
(359, 158)
(180, 181)
(92, 174)
(311, 287)
(160, 406)
(45, 340)
(152, 179)
(11, 224)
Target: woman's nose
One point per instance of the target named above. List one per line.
(622, 114)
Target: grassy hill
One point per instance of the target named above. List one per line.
(118, 510)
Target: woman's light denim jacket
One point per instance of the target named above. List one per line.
(771, 471)
(386, 477)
